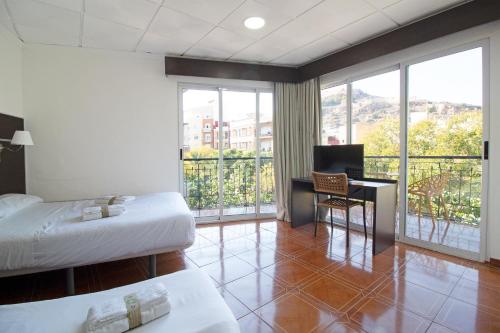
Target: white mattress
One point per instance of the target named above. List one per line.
(196, 307)
(52, 235)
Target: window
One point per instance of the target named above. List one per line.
(227, 169)
(334, 115)
(375, 123)
(441, 148)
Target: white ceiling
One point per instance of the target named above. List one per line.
(296, 31)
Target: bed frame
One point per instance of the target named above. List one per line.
(70, 271)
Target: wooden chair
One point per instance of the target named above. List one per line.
(429, 188)
(336, 186)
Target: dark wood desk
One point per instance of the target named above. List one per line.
(382, 192)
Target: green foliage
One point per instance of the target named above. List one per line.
(201, 178)
(461, 135)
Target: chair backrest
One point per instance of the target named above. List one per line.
(433, 185)
(332, 183)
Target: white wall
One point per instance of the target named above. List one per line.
(11, 73)
(103, 122)
(490, 32)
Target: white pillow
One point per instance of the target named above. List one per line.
(12, 203)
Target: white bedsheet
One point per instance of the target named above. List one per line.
(52, 235)
(196, 307)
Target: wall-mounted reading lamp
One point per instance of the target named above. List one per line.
(20, 139)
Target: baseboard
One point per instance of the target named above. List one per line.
(495, 262)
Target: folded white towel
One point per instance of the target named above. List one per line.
(92, 210)
(111, 316)
(114, 210)
(99, 212)
(106, 313)
(114, 199)
(153, 295)
(91, 216)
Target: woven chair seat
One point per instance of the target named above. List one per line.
(338, 203)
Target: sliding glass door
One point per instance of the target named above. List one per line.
(239, 141)
(424, 124)
(199, 155)
(226, 157)
(444, 147)
(375, 124)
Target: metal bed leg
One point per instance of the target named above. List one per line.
(152, 266)
(70, 281)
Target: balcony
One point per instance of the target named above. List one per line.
(461, 195)
(201, 186)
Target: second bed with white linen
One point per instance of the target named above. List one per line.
(195, 306)
(46, 236)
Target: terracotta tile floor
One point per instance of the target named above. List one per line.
(278, 279)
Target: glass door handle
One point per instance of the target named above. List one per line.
(486, 150)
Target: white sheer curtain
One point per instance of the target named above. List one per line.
(296, 125)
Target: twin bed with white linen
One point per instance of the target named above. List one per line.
(38, 236)
(195, 306)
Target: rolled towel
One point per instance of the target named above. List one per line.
(113, 317)
(114, 199)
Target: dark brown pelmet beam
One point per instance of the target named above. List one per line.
(230, 70)
(456, 19)
(460, 18)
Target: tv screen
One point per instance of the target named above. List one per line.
(340, 159)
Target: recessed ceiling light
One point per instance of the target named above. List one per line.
(254, 23)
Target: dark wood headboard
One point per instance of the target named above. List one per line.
(12, 167)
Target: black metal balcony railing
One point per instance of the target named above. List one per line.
(201, 182)
(462, 193)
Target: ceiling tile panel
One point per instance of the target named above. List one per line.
(5, 20)
(134, 13)
(291, 8)
(203, 52)
(38, 22)
(212, 11)
(103, 34)
(170, 23)
(323, 46)
(406, 11)
(318, 22)
(293, 34)
(332, 15)
(234, 22)
(153, 43)
(74, 5)
(262, 51)
(382, 3)
(220, 41)
(294, 58)
(365, 28)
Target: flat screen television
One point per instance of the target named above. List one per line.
(340, 159)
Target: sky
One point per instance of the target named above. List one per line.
(455, 78)
(236, 104)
